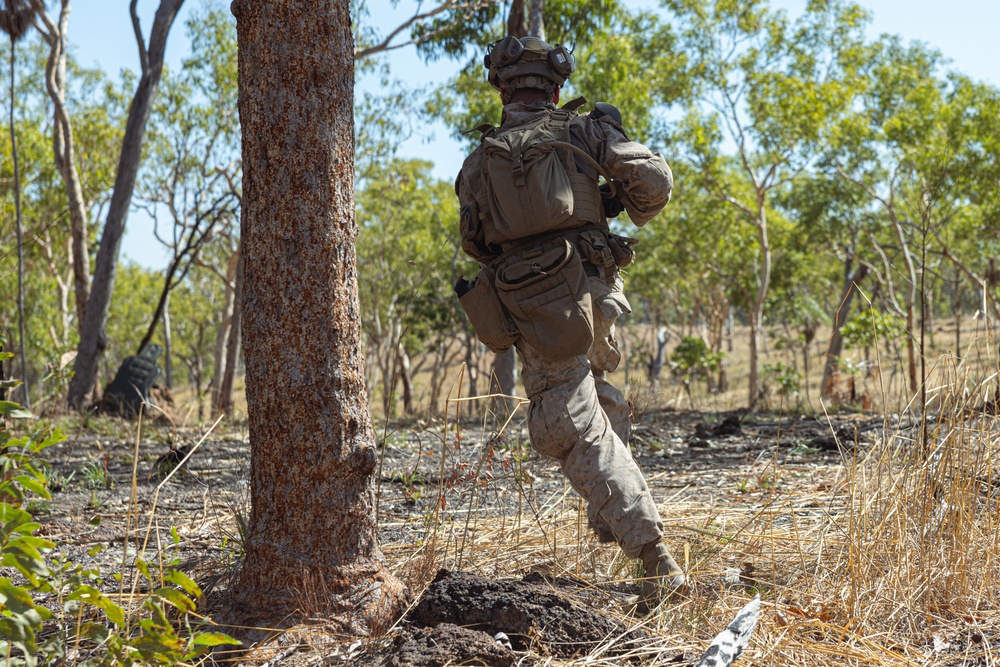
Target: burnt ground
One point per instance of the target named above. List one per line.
(189, 519)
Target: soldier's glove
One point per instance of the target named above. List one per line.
(462, 286)
(612, 205)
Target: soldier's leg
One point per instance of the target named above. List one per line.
(566, 422)
(609, 304)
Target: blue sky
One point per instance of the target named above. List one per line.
(964, 30)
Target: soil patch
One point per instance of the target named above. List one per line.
(449, 644)
(530, 612)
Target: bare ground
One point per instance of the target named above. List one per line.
(740, 496)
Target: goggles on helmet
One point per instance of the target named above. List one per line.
(511, 57)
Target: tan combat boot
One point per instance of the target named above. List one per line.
(663, 578)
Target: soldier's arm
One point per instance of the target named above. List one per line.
(643, 178)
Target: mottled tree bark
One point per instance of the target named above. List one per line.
(312, 538)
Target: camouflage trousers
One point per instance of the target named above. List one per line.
(577, 417)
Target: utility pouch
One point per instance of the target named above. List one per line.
(621, 249)
(487, 314)
(473, 240)
(594, 248)
(547, 293)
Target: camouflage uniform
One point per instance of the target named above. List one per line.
(576, 416)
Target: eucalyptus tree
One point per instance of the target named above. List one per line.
(51, 321)
(403, 218)
(93, 338)
(919, 148)
(312, 523)
(770, 88)
(190, 182)
(833, 222)
(55, 32)
(689, 269)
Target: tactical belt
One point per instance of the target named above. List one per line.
(508, 250)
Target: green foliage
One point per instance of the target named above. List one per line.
(867, 328)
(161, 630)
(785, 378)
(693, 358)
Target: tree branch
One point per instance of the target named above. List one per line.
(140, 40)
(387, 45)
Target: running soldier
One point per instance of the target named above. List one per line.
(536, 219)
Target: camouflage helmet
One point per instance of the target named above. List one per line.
(528, 62)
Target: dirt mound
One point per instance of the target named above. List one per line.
(449, 644)
(530, 612)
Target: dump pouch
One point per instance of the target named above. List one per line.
(621, 249)
(547, 293)
(487, 314)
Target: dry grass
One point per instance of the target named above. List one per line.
(888, 556)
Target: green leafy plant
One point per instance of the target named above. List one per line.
(786, 380)
(693, 358)
(869, 327)
(161, 629)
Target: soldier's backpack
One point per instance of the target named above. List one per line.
(528, 182)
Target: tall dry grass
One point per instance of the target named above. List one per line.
(888, 556)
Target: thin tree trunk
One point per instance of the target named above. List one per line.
(93, 336)
(64, 152)
(168, 347)
(312, 534)
(505, 381)
(233, 345)
(403, 364)
(760, 299)
(26, 386)
(957, 307)
(222, 335)
(911, 301)
(836, 344)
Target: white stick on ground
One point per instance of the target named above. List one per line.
(728, 644)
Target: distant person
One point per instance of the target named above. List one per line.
(534, 216)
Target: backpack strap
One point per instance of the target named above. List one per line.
(575, 103)
(484, 129)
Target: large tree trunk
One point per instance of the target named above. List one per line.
(93, 338)
(312, 525)
(64, 152)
